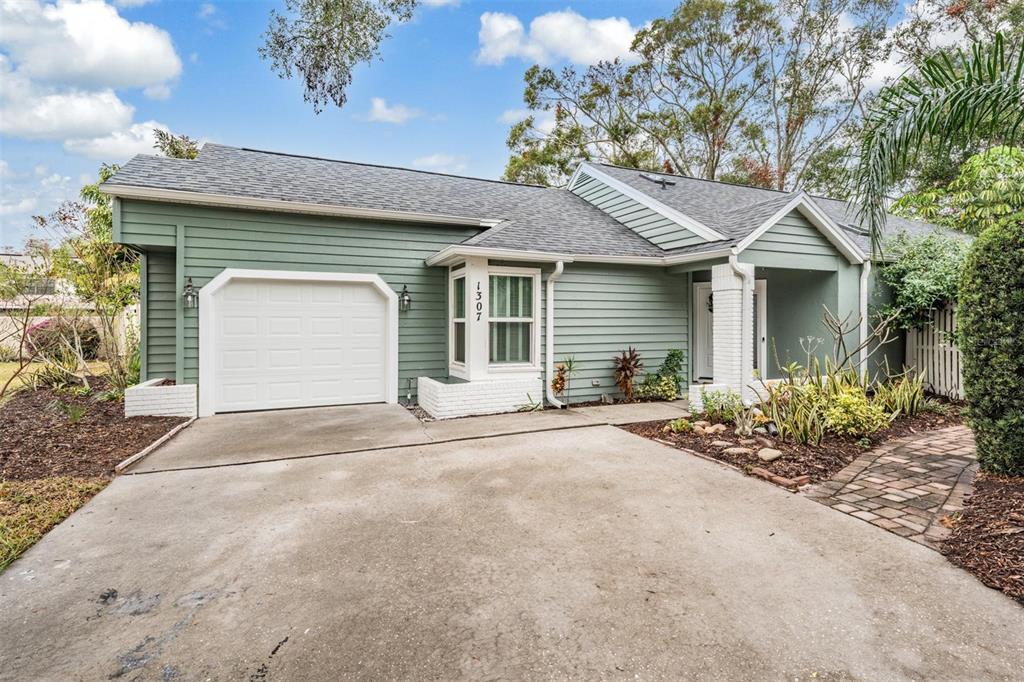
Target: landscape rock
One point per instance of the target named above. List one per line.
(748, 441)
(698, 429)
(721, 443)
(702, 423)
(738, 451)
(765, 442)
(714, 428)
(761, 430)
(768, 454)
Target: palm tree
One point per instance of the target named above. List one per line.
(949, 97)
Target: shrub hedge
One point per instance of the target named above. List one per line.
(990, 321)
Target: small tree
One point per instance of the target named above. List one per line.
(23, 283)
(991, 341)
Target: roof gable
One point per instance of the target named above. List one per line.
(660, 224)
(802, 206)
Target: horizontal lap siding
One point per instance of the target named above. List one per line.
(216, 239)
(602, 310)
(646, 222)
(161, 294)
(793, 237)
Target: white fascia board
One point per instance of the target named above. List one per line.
(679, 218)
(450, 255)
(818, 218)
(283, 206)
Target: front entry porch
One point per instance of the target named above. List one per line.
(749, 321)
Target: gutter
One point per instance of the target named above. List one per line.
(865, 272)
(549, 360)
(450, 254)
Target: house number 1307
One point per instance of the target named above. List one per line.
(479, 302)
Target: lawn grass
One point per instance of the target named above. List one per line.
(29, 509)
(8, 369)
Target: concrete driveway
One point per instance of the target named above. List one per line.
(581, 553)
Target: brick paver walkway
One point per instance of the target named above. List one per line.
(906, 486)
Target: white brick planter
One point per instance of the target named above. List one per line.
(152, 399)
(490, 396)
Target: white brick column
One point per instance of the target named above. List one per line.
(477, 302)
(733, 328)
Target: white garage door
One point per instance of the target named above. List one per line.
(284, 344)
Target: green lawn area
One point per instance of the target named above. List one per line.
(7, 370)
(29, 509)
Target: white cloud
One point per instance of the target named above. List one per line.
(42, 112)
(132, 3)
(563, 35)
(5, 170)
(398, 114)
(211, 15)
(118, 146)
(85, 45)
(162, 91)
(441, 163)
(896, 65)
(206, 10)
(544, 121)
(22, 205)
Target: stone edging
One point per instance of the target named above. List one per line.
(125, 463)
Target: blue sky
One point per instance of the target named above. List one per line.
(443, 87)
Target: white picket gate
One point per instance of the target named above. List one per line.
(931, 350)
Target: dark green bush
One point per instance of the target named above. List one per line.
(990, 333)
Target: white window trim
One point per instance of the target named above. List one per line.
(456, 368)
(208, 320)
(534, 366)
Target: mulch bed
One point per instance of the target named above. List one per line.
(39, 441)
(817, 463)
(987, 537)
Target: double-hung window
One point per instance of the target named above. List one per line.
(511, 319)
(458, 317)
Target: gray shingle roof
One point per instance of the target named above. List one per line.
(737, 210)
(531, 218)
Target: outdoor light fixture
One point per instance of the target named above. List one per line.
(404, 299)
(190, 295)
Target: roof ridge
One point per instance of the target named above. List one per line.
(690, 177)
(373, 165)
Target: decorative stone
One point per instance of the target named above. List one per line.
(748, 441)
(738, 451)
(702, 423)
(761, 430)
(768, 454)
(765, 442)
(721, 443)
(772, 431)
(714, 428)
(698, 429)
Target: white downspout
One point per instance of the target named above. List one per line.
(748, 290)
(549, 331)
(865, 272)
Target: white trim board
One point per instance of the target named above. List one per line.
(678, 217)
(208, 318)
(452, 255)
(828, 228)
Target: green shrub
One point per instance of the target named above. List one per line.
(797, 410)
(656, 387)
(679, 426)
(990, 334)
(849, 413)
(721, 407)
(923, 274)
(672, 368)
(901, 395)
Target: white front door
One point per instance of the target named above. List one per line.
(284, 343)
(703, 333)
(703, 330)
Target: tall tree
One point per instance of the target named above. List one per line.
(977, 93)
(175, 146)
(322, 41)
(737, 89)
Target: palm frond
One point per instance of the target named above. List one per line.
(973, 94)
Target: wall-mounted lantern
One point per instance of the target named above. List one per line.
(190, 295)
(405, 299)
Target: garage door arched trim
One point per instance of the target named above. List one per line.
(208, 317)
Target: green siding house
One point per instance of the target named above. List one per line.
(275, 281)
